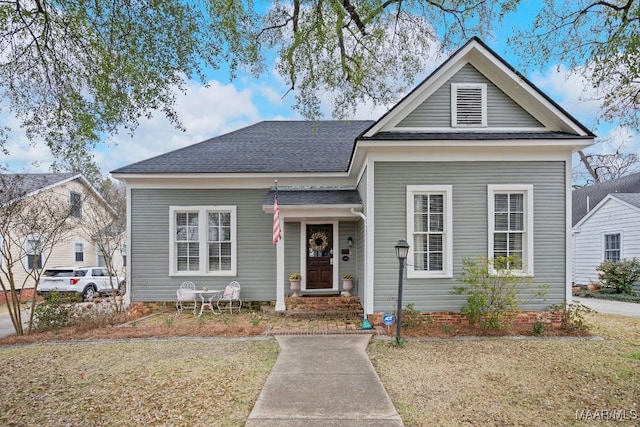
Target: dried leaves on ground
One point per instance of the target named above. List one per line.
(524, 382)
(208, 382)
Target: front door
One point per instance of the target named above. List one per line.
(319, 256)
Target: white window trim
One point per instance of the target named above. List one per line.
(84, 255)
(447, 261)
(454, 104)
(202, 237)
(603, 240)
(527, 190)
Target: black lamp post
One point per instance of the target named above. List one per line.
(402, 249)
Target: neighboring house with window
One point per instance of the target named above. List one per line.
(69, 189)
(606, 225)
(475, 161)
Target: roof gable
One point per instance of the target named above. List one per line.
(436, 110)
(631, 200)
(473, 61)
(586, 198)
(21, 185)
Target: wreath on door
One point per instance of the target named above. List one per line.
(318, 241)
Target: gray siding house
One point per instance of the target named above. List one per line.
(475, 161)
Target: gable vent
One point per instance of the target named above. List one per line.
(468, 105)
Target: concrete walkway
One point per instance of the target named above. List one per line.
(610, 307)
(323, 380)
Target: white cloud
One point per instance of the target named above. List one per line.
(571, 90)
(619, 138)
(205, 112)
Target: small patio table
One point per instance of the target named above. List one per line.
(206, 302)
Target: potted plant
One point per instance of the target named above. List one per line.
(347, 284)
(294, 279)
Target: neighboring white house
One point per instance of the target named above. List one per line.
(76, 248)
(609, 231)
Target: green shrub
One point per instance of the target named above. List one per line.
(538, 327)
(495, 296)
(411, 317)
(573, 315)
(51, 314)
(620, 275)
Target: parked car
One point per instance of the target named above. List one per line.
(89, 282)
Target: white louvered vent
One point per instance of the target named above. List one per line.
(468, 105)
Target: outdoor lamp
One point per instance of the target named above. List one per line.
(349, 242)
(402, 249)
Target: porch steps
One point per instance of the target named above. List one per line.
(325, 307)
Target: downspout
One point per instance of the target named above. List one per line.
(365, 321)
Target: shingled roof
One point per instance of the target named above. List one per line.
(265, 147)
(586, 198)
(313, 197)
(20, 184)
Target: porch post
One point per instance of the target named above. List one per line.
(280, 306)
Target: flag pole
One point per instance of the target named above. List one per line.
(277, 230)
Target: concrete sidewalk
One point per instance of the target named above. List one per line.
(323, 380)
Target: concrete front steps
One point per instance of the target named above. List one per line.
(312, 306)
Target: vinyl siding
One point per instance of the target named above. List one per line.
(149, 265)
(611, 218)
(470, 228)
(348, 229)
(502, 111)
(62, 253)
(291, 251)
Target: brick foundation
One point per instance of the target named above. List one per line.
(25, 295)
(456, 318)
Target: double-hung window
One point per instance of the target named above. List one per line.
(203, 240)
(612, 247)
(511, 226)
(78, 252)
(429, 230)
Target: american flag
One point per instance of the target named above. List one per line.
(276, 220)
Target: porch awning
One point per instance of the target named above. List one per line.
(313, 198)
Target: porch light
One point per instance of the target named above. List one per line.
(349, 242)
(402, 249)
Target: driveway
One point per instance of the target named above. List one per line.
(6, 326)
(610, 307)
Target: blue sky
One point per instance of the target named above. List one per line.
(228, 105)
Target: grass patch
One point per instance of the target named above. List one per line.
(502, 381)
(211, 382)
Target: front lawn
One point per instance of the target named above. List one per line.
(208, 382)
(524, 382)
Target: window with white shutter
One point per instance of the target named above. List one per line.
(468, 105)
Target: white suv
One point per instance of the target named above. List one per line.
(86, 281)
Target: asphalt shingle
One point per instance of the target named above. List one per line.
(586, 198)
(314, 197)
(265, 147)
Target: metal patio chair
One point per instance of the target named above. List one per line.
(186, 297)
(230, 295)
